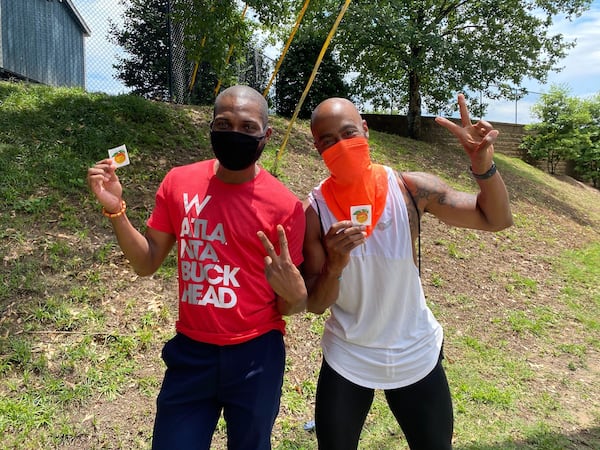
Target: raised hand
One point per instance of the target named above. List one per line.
(105, 184)
(283, 276)
(477, 140)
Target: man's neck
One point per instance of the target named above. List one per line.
(235, 176)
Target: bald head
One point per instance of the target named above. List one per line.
(334, 106)
(335, 119)
(242, 94)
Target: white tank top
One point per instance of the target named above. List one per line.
(381, 334)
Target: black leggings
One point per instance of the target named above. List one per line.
(423, 411)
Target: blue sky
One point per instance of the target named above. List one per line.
(581, 72)
(100, 53)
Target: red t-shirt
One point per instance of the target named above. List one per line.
(224, 296)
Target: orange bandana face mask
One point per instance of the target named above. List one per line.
(354, 181)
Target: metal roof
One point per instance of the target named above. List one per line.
(78, 17)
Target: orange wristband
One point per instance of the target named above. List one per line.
(105, 213)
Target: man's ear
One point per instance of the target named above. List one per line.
(365, 128)
(268, 132)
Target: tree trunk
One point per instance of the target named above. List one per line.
(414, 106)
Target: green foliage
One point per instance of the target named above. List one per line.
(568, 130)
(145, 38)
(275, 14)
(396, 49)
(210, 31)
(295, 72)
(410, 52)
(164, 39)
(559, 136)
(587, 163)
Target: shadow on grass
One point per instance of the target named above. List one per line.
(561, 197)
(58, 133)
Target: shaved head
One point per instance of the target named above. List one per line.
(335, 119)
(241, 93)
(334, 107)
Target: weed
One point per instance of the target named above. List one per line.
(437, 280)
(521, 284)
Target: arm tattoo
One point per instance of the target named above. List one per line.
(432, 189)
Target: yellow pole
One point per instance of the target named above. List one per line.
(218, 87)
(193, 81)
(310, 81)
(286, 47)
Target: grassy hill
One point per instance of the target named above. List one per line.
(81, 334)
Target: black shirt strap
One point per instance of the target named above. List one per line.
(418, 220)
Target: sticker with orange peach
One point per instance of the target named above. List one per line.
(119, 155)
(361, 214)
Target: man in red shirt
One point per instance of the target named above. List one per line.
(224, 214)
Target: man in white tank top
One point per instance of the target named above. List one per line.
(359, 261)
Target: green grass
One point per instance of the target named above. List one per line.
(80, 334)
(581, 292)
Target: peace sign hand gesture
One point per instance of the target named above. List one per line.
(283, 276)
(477, 140)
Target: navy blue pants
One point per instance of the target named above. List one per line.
(243, 381)
(423, 410)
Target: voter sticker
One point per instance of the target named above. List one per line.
(119, 155)
(361, 214)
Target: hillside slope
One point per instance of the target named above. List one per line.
(80, 334)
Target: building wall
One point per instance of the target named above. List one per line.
(507, 143)
(41, 41)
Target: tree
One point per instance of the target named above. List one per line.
(216, 33)
(295, 72)
(587, 163)
(560, 135)
(145, 38)
(425, 51)
(173, 45)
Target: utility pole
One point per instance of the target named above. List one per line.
(516, 99)
(525, 92)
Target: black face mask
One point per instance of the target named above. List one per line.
(236, 151)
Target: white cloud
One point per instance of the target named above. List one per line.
(580, 73)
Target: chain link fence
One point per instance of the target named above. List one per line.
(187, 81)
(100, 52)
